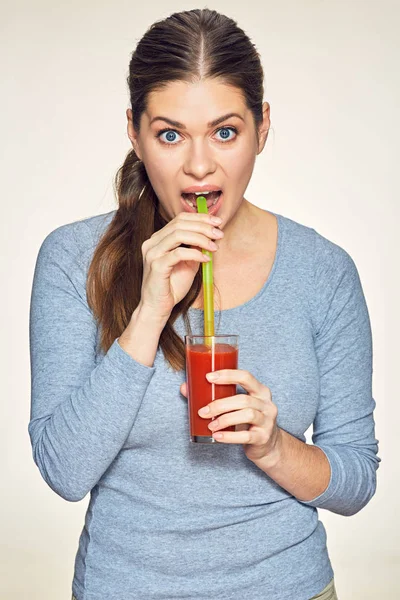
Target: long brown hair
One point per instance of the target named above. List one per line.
(187, 46)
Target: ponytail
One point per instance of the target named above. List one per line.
(115, 274)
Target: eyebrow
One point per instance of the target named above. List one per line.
(211, 124)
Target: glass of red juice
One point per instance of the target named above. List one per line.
(205, 354)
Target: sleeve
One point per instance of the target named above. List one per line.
(81, 414)
(344, 426)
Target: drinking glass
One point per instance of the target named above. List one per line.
(205, 354)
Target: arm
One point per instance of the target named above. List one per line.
(81, 414)
(339, 472)
(300, 469)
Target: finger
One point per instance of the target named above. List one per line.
(238, 417)
(183, 389)
(251, 436)
(244, 378)
(175, 240)
(232, 403)
(202, 225)
(166, 263)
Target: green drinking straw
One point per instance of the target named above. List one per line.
(208, 283)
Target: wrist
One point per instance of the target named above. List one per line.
(274, 456)
(141, 337)
(146, 314)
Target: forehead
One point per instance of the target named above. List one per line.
(190, 103)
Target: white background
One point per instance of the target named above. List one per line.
(332, 79)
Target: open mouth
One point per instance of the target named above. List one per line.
(211, 197)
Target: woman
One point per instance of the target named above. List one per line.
(114, 295)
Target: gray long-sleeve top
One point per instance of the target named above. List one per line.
(168, 519)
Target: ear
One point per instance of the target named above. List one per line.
(263, 128)
(132, 134)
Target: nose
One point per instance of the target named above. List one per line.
(199, 161)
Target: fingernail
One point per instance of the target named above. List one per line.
(212, 376)
(204, 411)
(218, 233)
(216, 220)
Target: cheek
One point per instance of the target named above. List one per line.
(162, 179)
(159, 172)
(240, 166)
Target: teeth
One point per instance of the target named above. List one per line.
(201, 193)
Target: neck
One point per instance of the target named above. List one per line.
(239, 231)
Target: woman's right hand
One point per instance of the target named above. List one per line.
(168, 268)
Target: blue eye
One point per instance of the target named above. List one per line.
(170, 136)
(225, 131)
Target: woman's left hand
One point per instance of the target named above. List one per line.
(254, 413)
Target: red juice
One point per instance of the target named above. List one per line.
(200, 360)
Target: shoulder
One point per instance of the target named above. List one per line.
(75, 242)
(97, 225)
(320, 269)
(320, 255)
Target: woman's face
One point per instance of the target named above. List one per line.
(189, 137)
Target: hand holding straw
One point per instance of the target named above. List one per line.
(208, 282)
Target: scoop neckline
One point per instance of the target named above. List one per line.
(270, 276)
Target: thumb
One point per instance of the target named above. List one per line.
(183, 389)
